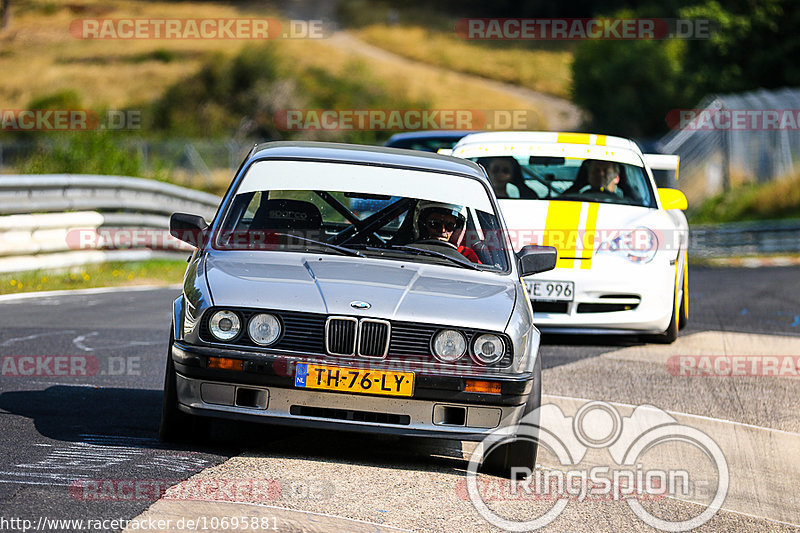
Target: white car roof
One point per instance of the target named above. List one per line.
(549, 143)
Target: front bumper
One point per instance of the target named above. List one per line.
(602, 295)
(264, 391)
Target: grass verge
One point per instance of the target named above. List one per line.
(113, 274)
(768, 201)
(546, 71)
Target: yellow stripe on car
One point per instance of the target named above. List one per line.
(567, 225)
(588, 236)
(561, 231)
(581, 138)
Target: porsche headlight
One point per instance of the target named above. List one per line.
(264, 329)
(637, 246)
(488, 349)
(224, 325)
(449, 345)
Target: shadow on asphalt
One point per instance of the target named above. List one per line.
(82, 414)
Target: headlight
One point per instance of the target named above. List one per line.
(224, 325)
(449, 345)
(488, 349)
(264, 329)
(637, 246)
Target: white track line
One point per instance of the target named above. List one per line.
(94, 290)
(689, 415)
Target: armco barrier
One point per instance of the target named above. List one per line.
(739, 239)
(43, 217)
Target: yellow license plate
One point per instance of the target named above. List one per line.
(360, 380)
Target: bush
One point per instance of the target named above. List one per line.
(240, 96)
(94, 152)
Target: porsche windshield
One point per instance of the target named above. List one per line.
(364, 211)
(568, 178)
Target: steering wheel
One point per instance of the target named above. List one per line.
(437, 241)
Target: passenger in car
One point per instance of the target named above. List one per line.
(507, 181)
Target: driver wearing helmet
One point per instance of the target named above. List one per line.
(443, 222)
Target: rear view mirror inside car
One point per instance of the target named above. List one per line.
(545, 160)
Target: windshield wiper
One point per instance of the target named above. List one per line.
(421, 251)
(340, 249)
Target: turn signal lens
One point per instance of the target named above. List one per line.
(224, 363)
(489, 387)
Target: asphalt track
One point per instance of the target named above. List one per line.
(84, 447)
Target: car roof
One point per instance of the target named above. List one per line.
(366, 155)
(519, 137)
(427, 134)
(549, 143)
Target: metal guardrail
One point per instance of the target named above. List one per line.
(737, 239)
(49, 193)
(60, 221)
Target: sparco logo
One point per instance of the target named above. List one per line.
(293, 215)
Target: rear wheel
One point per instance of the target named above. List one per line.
(683, 315)
(520, 453)
(671, 333)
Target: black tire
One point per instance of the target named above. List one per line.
(176, 425)
(683, 315)
(520, 453)
(671, 333)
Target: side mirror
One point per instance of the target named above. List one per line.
(672, 199)
(190, 229)
(533, 259)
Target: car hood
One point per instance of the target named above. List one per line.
(395, 290)
(579, 229)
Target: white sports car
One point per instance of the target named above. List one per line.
(621, 241)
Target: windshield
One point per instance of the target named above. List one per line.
(364, 211)
(568, 178)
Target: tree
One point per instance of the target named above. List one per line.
(628, 87)
(5, 13)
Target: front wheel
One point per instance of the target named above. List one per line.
(520, 453)
(175, 424)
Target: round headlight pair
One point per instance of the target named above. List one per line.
(450, 345)
(263, 329)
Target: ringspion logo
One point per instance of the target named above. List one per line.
(598, 427)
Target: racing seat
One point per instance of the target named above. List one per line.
(286, 217)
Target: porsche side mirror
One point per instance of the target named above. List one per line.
(533, 259)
